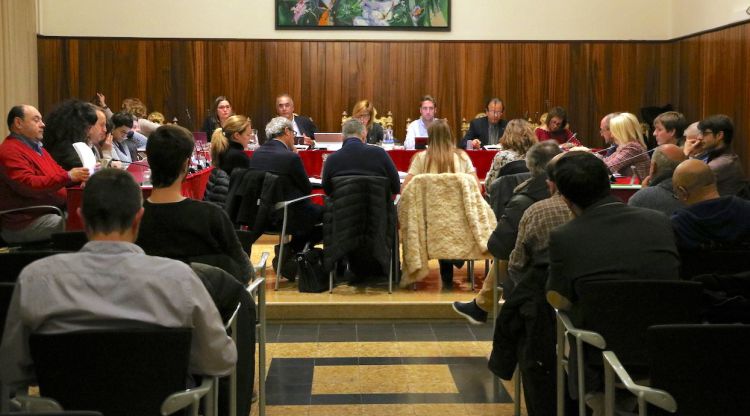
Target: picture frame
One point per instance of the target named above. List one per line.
(420, 15)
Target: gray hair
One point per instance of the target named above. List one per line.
(662, 162)
(692, 130)
(539, 155)
(276, 127)
(352, 128)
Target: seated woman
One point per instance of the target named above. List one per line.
(669, 128)
(221, 110)
(631, 149)
(68, 123)
(364, 111)
(441, 156)
(181, 228)
(516, 141)
(228, 144)
(555, 128)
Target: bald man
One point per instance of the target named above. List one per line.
(710, 220)
(657, 188)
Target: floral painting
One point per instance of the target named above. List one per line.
(363, 14)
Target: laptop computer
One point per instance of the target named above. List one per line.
(329, 141)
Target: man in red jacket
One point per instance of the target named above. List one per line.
(28, 177)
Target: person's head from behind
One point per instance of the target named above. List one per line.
(26, 121)
(495, 110)
(281, 129)
(669, 127)
(168, 151)
(439, 134)
(518, 136)
(365, 112)
(582, 179)
(427, 108)
(716, 132)
(354, 128)
(156, 117)
(135, 107)
(557, 119)
(122, 123)
(112, 206)
(70, 122)
(665, 159)
(539, 156)
(693, 181)
(221, 109)
(236, 129)
(626, 128)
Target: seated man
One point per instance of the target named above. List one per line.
(357, 158)
(418, 127)
(713, 146)
(709, 221)
(503, 239)
(606, 237)
(277, 155)
(182, 228)
(486, 130)
(29, 176)
(656, 192)
(123, 149)
(111, 283)
(303, 126)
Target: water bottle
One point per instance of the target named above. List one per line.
(388, 139)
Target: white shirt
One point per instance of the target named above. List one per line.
(416, 128)
(101, 287)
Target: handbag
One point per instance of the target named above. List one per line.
(312, 275)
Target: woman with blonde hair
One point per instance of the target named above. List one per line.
(441, 156)
(631, 149)
(228, 144)
(365, 112)
(516, 141)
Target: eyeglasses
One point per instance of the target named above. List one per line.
(495, 113)
(705, 133)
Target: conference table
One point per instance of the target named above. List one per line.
(194, 187)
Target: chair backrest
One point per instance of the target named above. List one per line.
(117, 372)
(13, 262)
(719, 261)
(622, 310)
(704, 367)
(501, 190)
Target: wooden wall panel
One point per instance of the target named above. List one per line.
(700, 75)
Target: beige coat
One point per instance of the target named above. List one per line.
(442, 216)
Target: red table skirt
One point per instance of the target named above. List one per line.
(194, 187)
(313, 160)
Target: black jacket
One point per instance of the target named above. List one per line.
(503, 239)
(359, 221)
(217, 187)
(480, 128)
(234, 157)
(357, 158)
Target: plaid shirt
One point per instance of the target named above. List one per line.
(533, 230)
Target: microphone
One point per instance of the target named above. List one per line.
(130, 134)
(602, 151)
(187, 114)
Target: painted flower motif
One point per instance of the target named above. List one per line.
(299, 9)
(375, 13)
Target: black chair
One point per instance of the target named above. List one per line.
(36, 208)
(118, 372)
(715, 261)
(360, 223)
(614, 314)
(69, 240)
(6, 292)
(13, 262)
(694, 370)
(502, 190)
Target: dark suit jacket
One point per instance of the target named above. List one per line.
(273, 156)
(614, 240)
(306, 126)
(357, 158)
(480, 128)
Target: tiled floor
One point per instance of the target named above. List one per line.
(364, 368)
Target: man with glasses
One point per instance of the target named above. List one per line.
(713, 146)
(488, 129)
(418, 127)
(606, 134)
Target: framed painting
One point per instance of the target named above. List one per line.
(363, 14)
